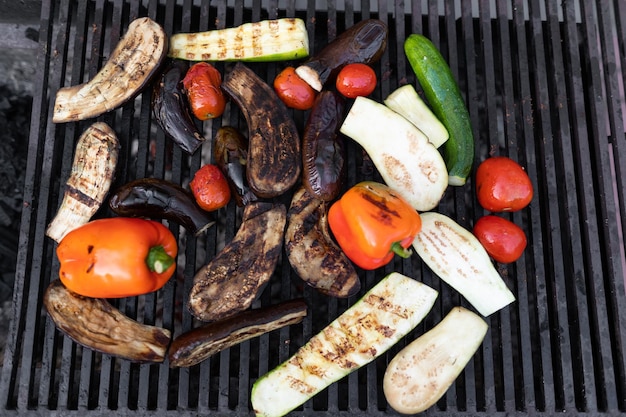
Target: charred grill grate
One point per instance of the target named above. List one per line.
(544, 83)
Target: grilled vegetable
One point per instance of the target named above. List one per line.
(267, 40)
(199, 344)
(117, 257)
(93, 170)
(502, 185)
(171, 109)
(311, 251)
(161, 199)
(355, 80)
(238, 274)
(408, 103)
(385, 314)
(444, 97)
(203, 87)
(372, 223)
(293, 90)
(364, 43)
(421, 373)
(503, 240)
(97, 325)
(323, 148)
(405, 159)
(230, 151)
(134, 61)
(210, 187)
(458, 258)
(274, 160)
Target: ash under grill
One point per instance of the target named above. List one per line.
(544, 85)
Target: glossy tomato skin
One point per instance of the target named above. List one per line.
(293, 90)
(210, 187)
(502, 185)
(356, 80)
(503, 240)
(203, 85)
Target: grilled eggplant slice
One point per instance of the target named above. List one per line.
(390, 310)
(132, 65)
(171, 108)
(238, 274)
(364, 42)
(97, 325)
(161, 199)
(312, 253)
(323, 148)
(199, 344)
(230, 152)
(274, 161)
(93, 171)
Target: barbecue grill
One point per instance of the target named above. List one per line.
(544, 84)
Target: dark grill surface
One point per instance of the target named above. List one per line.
(544, 83)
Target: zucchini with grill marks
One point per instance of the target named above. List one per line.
(384, 315)
(264, 41)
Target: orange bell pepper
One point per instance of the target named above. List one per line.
(117, 257)
(371, 223)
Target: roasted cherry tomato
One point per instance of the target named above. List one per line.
(356, 80)
(203, 85)
(503, 240)
(502, 185)
(210, 187)
(293, 90)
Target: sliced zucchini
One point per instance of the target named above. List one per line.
(458, 258)
(406, 102)
(264, 41)
(384, 315)
(419, 375)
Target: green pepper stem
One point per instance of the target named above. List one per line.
(400, 250)
(158, 260)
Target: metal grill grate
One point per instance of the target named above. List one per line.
(544, 83)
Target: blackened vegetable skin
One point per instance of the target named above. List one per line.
(323, 148)
(171, 108)
(364, 42)
(161, 199)
(199, 344)
(230, 152)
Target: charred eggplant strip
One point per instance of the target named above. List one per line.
(97, 325)
(312, 253)
(238, 274)
(364, 42)
(93, 171)
(230, 152)
(171, 108)
(161, 199)
(199, 344)
(274, 161)
(323, 148)
(134, 61)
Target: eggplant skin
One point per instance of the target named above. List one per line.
(171, 108)
(199, 344)
(238, 274)
(323, 147)
(161, 199)
(312, 253)
(230, 152)
(97, 325)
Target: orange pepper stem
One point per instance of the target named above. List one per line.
(400, 250)
(158, 260)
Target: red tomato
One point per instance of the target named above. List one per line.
(503, 240)
(293, 90)
(356, 80)
(203, 87)
(210, 187)
(502, 185)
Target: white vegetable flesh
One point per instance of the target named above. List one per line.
(421, 373)
(458, 258)
(384, 315)
(402, 154)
